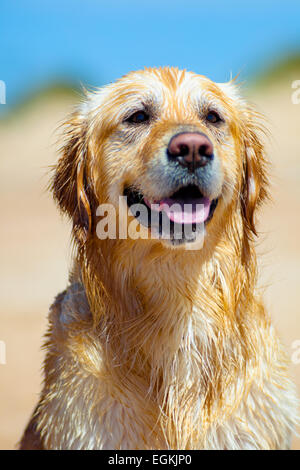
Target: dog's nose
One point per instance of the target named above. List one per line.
(191, 149)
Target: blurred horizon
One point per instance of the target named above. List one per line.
(92, 43)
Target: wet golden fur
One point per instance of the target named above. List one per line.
(152, 347)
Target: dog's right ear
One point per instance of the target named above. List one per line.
(69, 183)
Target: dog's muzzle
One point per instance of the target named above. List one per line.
(185, 177)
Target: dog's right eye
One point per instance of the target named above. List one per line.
(138, 117)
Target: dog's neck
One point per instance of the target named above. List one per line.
(172, 321)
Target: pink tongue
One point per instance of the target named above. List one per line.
(194, 211)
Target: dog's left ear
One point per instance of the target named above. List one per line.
(254, 182)
(251, 131)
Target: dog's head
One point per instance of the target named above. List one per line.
(183, 151)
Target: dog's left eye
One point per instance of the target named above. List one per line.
(139, 117)
(213, 117)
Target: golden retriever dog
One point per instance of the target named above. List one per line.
(160, 340)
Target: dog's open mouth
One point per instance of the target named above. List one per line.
(187, 208)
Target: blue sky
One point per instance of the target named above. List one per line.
(94, 41)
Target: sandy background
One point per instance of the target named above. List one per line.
(34, 242)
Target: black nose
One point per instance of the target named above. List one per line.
(191, 149)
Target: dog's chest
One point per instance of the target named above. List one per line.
(97, 413)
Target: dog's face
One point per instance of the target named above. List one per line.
(182, 148)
